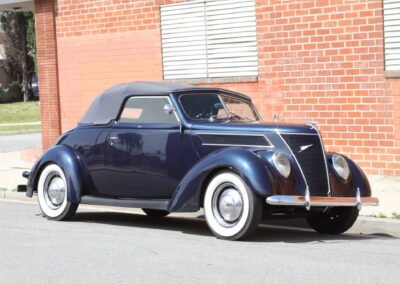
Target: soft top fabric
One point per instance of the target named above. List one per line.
(106, 106)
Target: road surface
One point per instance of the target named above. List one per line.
(18, 142)
(112, 247)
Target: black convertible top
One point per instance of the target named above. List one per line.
(106, 106)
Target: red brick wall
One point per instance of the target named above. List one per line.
(319, 60)
(47, 71)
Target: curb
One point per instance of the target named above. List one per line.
(363, 226)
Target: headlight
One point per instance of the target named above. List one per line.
(341, 167)
(282, 164)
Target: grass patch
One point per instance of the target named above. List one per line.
(396, 215)
(19, 112)
(13, 128)
(379, 215)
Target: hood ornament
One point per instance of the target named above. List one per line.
(311, 123)
(275, 117)
(305, 147)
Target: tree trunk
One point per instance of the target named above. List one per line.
(25, 88)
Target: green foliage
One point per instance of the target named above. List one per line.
(379, 215)
(20, 47)
(11, 92)
(31, 39)
(396, 215)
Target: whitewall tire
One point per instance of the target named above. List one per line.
(231, 209)
(52, 191)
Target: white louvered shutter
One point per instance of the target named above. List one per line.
(231, 38)
(218, 42)
(391, 12)
(183, 36)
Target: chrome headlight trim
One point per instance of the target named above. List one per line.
(282, 164)
(341, 166)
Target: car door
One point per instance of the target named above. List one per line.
(144, 150)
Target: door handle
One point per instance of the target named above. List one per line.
(114, 140)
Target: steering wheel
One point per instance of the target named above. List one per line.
(204, 114)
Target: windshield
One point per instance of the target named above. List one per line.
(214, 107)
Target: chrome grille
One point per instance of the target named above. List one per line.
(311, 161)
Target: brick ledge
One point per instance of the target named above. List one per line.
(392, 74)
(239, 79)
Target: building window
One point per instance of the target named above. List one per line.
(209, 39)
(391, 12)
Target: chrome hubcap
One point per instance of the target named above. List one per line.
(230, 205)
(54, 191)
(227, 205)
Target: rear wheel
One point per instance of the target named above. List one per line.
(335, 220)
(231, 209)
(155, 213)
(53, 193)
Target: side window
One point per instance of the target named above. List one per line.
(147, 110)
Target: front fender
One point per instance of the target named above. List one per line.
(357, 179)
(68, 161)
(243, 162)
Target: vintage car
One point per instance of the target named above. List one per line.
(167, 147)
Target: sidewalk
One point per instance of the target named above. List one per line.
(387, 189)
(11, 168)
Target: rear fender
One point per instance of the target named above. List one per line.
(245, 163)
(68, 161)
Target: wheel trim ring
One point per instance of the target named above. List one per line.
(216, 205)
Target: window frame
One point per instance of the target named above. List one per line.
(119, 122)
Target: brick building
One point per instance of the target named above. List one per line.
(333, 61)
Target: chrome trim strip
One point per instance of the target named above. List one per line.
(294, 156)
(321, 201)
(326, 162)
(298, 133)
(234, 134)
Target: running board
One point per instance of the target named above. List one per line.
(159, 204)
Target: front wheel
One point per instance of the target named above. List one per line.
(335, 220)
(53, 192)
(231, 209)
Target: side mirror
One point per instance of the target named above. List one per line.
(169, 109)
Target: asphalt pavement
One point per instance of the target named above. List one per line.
(20, 141)
(115, 247)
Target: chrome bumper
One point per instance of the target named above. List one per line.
(321, 201)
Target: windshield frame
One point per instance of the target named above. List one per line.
(229, 115)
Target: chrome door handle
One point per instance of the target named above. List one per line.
(114, 140)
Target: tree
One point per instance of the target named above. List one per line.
(19, 46)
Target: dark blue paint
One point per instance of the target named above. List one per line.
(68, 161)
(165, 161)
(243, 162)
(357, 176)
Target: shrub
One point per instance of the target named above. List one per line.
(11, 93)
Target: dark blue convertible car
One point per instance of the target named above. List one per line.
(168, 148)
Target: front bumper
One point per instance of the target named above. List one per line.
(321, 201)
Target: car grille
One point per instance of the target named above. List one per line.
(311, 160)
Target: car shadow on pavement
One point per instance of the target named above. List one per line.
(289, 231)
